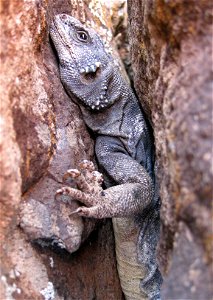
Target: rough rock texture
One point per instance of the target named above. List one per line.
(42, 136)
(171, 44)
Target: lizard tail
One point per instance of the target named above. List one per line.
(147, 243)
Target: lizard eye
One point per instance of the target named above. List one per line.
(82, 36)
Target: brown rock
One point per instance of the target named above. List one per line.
(42, 136)
(171, 44)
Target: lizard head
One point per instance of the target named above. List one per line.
(86, 69)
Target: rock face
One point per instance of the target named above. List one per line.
(42, 136)
(171, 44)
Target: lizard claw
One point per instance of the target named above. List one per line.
(63, 191)
(59, 192)
(73, 173)
(81, 211)
(74, 212)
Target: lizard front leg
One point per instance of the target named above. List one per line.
(123, 200)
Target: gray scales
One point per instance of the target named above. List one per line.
(124, 150)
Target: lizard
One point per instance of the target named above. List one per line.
(124, 149)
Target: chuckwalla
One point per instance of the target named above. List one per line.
(124, 150)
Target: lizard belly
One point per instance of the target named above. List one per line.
(130, 271)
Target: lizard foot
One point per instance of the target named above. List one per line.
(89, 191)
(87, 179)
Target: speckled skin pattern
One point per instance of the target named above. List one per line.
(124, 151)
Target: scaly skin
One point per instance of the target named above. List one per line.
(124, 150)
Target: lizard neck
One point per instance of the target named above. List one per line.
(106, 122)
(113, 121)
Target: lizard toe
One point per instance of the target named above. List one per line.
(86, 165)
(73, 173)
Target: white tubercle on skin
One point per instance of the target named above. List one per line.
(90, 68)
(93, 68)
(98, 64)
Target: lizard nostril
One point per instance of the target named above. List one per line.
(91, 76)
(63, 17)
